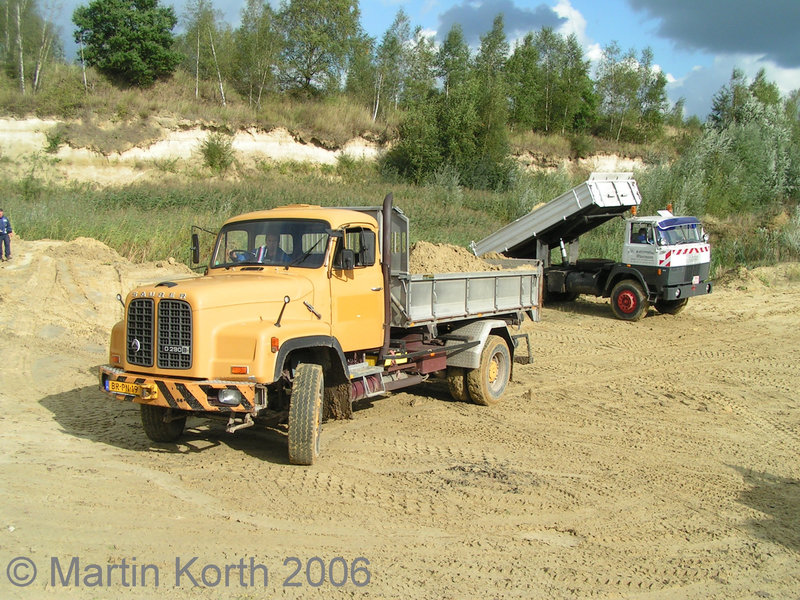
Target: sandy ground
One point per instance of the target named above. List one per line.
(648, 460)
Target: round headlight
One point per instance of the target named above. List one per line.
(678, 293)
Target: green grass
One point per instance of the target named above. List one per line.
(152, 221)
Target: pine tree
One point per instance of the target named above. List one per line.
(131, 41)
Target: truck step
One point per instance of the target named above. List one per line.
(363, 370)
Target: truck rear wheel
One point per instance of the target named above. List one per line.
(305, 414)
(457, 382)
(671, 307)
(157, 427)
(628, 300)
(487, 383)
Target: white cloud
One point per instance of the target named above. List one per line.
(427, 33)
(701, 83)
(594, 52)
(575, 23)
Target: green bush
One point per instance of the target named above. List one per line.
(217, 152)
(54, 139)
(581, 146)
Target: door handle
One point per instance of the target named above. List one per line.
(376, 289)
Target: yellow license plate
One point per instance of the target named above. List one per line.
(123, 387)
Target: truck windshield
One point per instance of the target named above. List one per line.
(689, 233)
(278, 242)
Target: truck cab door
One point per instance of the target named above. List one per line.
(640, 245)
(357, 294)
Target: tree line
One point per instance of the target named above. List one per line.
(456, 105)
(317, 48)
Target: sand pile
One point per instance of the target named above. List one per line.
(426, 257)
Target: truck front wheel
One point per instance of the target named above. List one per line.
(159, 423)
(628, 300)
(305, 414)
(671, 307)
(487, 383)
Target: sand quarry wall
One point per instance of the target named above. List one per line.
(181, 140)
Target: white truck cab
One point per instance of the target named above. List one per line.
(665, 241)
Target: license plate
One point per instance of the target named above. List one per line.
(123, 387)
(695, 279)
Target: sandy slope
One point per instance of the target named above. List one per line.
(648, 460)
(22, 142)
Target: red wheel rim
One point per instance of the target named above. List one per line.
(627, 302)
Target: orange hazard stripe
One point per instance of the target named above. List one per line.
(180, 394)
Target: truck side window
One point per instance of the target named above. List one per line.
(362, 242)
(641, 234)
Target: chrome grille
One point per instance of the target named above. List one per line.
(174, 334)
(140, 332)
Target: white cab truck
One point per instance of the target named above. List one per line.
(665, 258)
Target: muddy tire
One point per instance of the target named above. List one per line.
(671, 307)
(305, 414)
(628, 300)
(487, 383)
(457, 382)
(155, 426)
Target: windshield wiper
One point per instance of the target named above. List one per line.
(306, 254)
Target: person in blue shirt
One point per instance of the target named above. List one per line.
(641, 237)
(5, 236)
(271, 252)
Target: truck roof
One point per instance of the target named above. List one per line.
(337, 217)
(666, 220)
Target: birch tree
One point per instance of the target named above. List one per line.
(318, 42)
(258, 46)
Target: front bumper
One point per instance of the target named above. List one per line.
(677, 292)
(180, 394)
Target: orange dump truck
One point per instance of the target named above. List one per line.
(302, 311)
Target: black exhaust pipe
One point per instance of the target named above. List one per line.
(386, 266)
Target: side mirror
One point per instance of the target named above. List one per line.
(347, 259)
(195, 248)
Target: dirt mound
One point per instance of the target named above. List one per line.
(85, 249)
(761, 278)
(68, 289)
(445, 258)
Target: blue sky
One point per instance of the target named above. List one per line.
(696, 43)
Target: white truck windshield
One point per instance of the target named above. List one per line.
(689, 233)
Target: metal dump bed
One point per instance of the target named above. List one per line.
(424, 299)
(601, 198)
